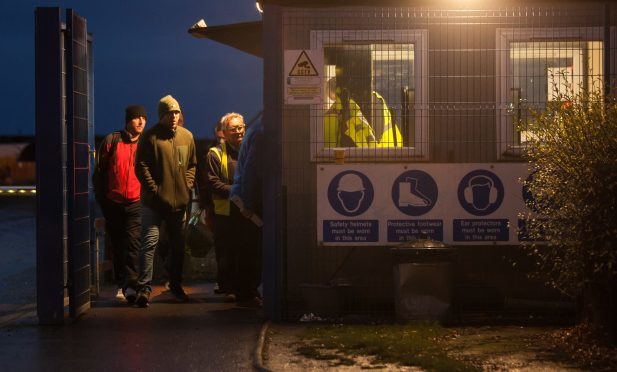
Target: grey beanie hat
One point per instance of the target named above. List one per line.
(167, 104)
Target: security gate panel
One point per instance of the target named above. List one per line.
(78, 165)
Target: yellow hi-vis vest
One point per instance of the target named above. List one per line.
(221, 205)
(391, 136)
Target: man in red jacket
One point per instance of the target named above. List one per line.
(117, 191)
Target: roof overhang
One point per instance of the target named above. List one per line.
(410, 3)
(246, 36)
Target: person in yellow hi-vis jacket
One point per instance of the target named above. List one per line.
(391, 135)
(355, 130)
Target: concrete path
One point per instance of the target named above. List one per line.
(202, 335)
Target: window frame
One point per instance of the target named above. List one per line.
(321, 39)
(506, 145)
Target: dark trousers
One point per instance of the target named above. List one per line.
(123, 227)
(237, 243)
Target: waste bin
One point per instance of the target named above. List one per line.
(423, 280)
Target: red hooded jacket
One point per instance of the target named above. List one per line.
(116, 165)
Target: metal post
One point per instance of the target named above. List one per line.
(99, 227)
(273, 192)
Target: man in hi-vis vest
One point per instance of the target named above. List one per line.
(230, 227)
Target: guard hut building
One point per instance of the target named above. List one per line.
(387, 121)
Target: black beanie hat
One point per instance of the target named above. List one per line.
(134, 111)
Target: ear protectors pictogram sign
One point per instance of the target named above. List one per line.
(480, 192)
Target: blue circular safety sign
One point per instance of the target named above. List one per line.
(480, 192)
(414, 192)
(350, 193)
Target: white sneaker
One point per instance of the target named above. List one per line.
(120, 295)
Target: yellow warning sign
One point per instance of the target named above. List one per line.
(302, 71)
(303, 66)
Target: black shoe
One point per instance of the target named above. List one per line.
(179, 294)
(143, 298)
(254, 302)
(218, 289)
(130, 295)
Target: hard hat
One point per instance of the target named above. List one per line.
(350, 183)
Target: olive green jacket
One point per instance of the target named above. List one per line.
(165, 166)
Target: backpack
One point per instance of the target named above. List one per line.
(99, 176)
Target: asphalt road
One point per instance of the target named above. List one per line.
(17, 251)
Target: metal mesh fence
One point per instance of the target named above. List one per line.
(425, 84)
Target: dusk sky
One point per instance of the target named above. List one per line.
(142, 51)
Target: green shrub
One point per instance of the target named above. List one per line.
(572, 154)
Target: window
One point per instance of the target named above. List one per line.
(373, 85)
(536, 67)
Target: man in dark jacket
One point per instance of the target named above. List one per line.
(165, 166)
(246, 193)
(117, 191)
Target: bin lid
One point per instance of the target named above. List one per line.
(422, 250)
(423, 243)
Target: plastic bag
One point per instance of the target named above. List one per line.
(199, 238)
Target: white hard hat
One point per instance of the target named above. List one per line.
(350, 183)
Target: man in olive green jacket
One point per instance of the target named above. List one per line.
(165, 166)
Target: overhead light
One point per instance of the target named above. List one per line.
(200, 24)
(259, 6)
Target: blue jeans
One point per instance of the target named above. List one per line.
(150, 226)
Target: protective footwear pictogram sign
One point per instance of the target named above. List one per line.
(302, 80)
(414, 193)
(303, 66)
